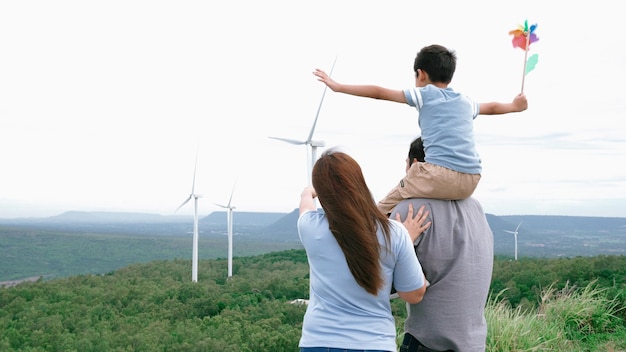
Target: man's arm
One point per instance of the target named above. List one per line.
(367, 91)
(518, 104)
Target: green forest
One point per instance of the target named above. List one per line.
(154, 306)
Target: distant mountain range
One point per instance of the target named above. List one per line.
(539, 235)
(104, 217)
(287, 221)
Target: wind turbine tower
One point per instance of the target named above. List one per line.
(229, 224)
(194, 196)
(515, 236)
(309, 142)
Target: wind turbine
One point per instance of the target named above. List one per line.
(515, 235)
(194, 196)
(312, 145)
(229, 224)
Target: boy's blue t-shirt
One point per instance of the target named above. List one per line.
(446, 120)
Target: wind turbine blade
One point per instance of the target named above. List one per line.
(195, 167)
(509, 231)
(520, 223)
(292, 141)
(185, 202)
(320, 106)
(221, 205)
(231, 194)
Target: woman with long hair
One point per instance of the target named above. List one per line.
(356, 255)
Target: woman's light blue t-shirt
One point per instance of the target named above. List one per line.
(341, 314)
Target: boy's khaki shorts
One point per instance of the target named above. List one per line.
(426, 180)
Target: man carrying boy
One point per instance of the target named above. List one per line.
(456, 254)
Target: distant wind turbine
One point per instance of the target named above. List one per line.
(194, 260)
(229, 224)
(515, 235)
(312, 145)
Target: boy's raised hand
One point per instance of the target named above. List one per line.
(323, 77)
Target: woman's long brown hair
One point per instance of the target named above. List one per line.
(352, 216)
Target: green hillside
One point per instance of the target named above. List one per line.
(33, 252)
(572, 304)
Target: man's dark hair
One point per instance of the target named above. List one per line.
(416, 151)
(437, 61)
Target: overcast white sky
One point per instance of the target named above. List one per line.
(103, 104)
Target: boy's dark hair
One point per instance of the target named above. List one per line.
(416, 151)
(437, 61)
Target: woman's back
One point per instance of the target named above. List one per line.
(341, 312)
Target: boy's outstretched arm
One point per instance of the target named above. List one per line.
(518, 104)
(367, 91)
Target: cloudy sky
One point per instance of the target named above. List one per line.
(104, 105)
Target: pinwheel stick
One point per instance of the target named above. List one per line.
(527, 34)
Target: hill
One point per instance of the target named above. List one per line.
(86, 242)
(567, 223)
(242, 218)
(539, 236)
(535, 231)
(286, 222)
(155, 307)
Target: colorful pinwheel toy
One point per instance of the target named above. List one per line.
(523, 36)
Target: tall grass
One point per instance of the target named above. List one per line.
(515, 330)
(571, 319)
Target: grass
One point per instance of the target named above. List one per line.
(571, 319)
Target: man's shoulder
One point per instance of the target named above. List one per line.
(468, 205)
(462, 202)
